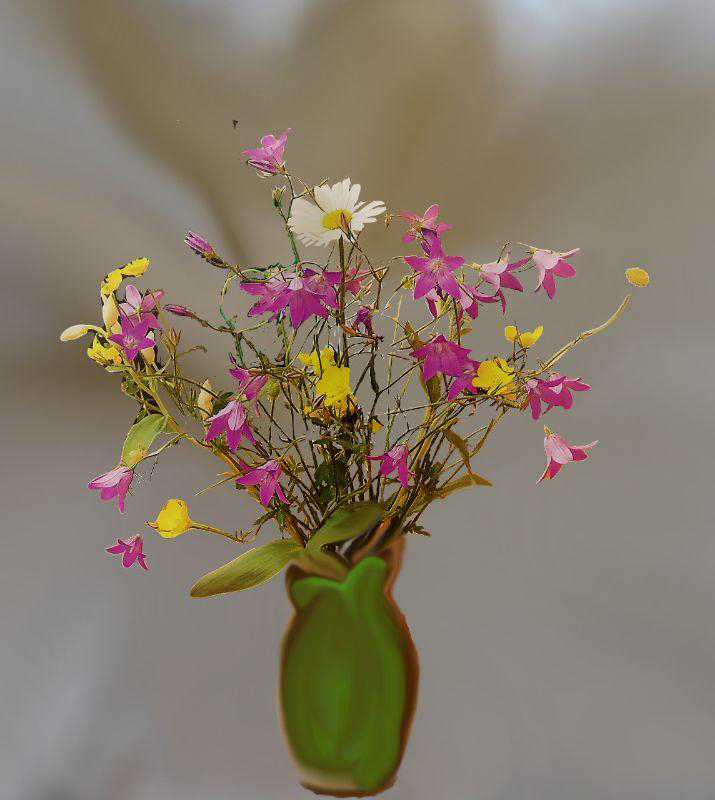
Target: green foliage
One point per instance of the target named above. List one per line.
(140, 438)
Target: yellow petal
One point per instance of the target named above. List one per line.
(111, 282)
(73, 332)
(135, 268)
(173, 519)
(375, 426)
(637, 276)
(104, 355)
(494, 376)
(205, 400)
(510, 333)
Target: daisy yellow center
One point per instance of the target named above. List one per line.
(331, 221)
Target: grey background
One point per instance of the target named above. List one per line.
(566, 631)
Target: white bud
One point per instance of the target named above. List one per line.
(74, 332)
(205, 399)
(110, 311)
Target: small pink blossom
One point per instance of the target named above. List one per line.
(249, 383)
(396, 459)
(556, 391)
(364, 318)
(304, 295)
(267, 476)
(498, 274)
(427, 222)
(470, 298)
(140, 307)
(560, 452)
(130, 551)
(114, 483)
(435, 268)
(464, 381)
(442, 356)
(268, 158)
(549, 263)
(199, 245)
(133, 337)
(231, 420)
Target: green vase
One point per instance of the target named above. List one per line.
(348, 683)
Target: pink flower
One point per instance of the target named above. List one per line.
(550, 263)
(435, 269)
(498, 274)
(114, 483)
(395, 459)
(556, 391)
(267, 476)
(304, 295)
(560, 452)
(364, 318)
(427, 222)
(464, 381)
(442, 356)
(133, 337)
(231, 420)
(353, 279)
(130, 551)
(199, 245)
(268, 158)
(180, 311)
(249, 383)
(469, 299)
(140, 307)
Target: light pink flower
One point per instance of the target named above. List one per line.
(427, 222)
(556, 391)
(560, 452)
(442, 356)
(231, 420)
(268, 158)
(435, 268)
(498, 274)
(130, 551)
(396, 459)
(464, 381)
(199, 245)
(140, 307)
(549, 263)
(133, 337)
(267, 476)
(114, 483)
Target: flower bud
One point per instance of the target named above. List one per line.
(278, 196)
(173, 336)
(173, 519)
(205, 400)
(110, 311)
(637, 276)
(74, 332)
(273, 389)
(179, 311)
(148, 353)
(199, 245)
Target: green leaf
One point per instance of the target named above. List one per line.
(346, 523)
(140, 437)
(249, 569)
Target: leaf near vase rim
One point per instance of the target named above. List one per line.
(248, 570)
(346, 523)
(140, 438)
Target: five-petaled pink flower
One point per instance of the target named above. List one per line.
(464, 381)
(435, 268)
(305, 295)
(267, 476)
(268, 158)
(427, 222)
(249, 383)
(470, 298)
(442, 356)
(114, 483)
(498, 274)
(133, 337)
(549, 263)
(139, 307)
(231, 420)
(130, 551)
(556, 391)
(560, 452)
(396, 459)
(199, 245)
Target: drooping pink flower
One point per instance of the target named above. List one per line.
(268, 158)
(464, 381)
(556, 391)
(133, 337)
(130, 550)
(231, 420)
(549, 263)
(470, 298)
(267, 476)
(249, 383)
(427, 222)
(498, 274)
(396, 459)
(364, 318)
(114, 483)
(199, 245)
(435, 268)
(442, 356)
(560, 452)
(140, 307)
(353, 279)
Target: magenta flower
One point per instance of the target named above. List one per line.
(464, 381)
(353, 280)
(435, 268)
(304, 295)
(114, 483)
(130, 551)
(140, 307)
(199, 245)
(231, 420)
(395, 459)
(470, 298)
(133, 337)
(550, 263)
(442, 356)
(427, 222)
(556, 391)
(267, 476)
(364, 318)
(498, 274)
(249, 383)
(268, 158)
(560, 452)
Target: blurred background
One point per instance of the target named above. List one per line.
(566, 632)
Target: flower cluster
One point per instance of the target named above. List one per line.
(373, 393)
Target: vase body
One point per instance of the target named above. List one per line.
(348, 681)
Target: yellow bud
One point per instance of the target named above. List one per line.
(74, 332)
(205, 400)
(173, 519)
(110, 311)
(637, 276)
(148, 352)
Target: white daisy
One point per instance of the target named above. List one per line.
(319, 222)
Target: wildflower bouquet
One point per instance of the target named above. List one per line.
(371, 406)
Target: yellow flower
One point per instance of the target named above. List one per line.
(173, 519)
(524, 338)
(335, 385)
(104, 355)
(316, 362)
(111, 283)
(637, 276)
(136, 267)
(494, 376)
